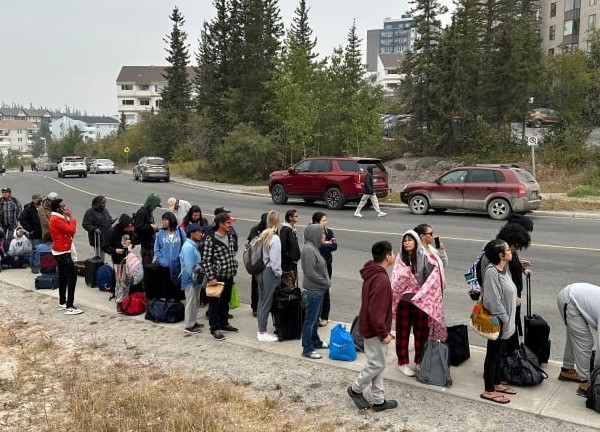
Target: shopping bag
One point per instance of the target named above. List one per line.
(341, 344)
(235, 297)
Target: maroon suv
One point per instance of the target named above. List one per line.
(498, 190)
(336, 180)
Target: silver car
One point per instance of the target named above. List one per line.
(102, 166)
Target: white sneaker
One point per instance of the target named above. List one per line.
(407, 370)
(416, 368)
(266, 337)
(382, 214)
(63, 307)
(73, 311)
(357, 215)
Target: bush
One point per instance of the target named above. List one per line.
(584, 191)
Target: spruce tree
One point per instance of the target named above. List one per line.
(301, 30)
(122, 123)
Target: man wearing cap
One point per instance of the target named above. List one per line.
(30, 221)
(116, 243)
(44, 212)
(11, 209)
(179, 207)
(232, 232)
(97, 221)
(189, 258)
(19, 250)
(145, 228)
(220, 265)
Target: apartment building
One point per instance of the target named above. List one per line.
(565, 24)
(36, 116)
(396, 36)
(91, 128)
(387, 74)
(139, 89)
(16, 135)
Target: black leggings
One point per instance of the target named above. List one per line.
(67, 279)
(491, 365)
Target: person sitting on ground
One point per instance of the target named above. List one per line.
(179, 207)
(19, 250)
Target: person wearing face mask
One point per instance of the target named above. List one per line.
(97, 222)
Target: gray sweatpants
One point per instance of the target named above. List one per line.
(192, 304)
(364, 200)
(267, 284)
(376, 353)
(580, 341)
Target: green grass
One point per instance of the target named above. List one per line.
(584, 191)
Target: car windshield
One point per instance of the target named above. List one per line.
(156, 161)
(73, 159)
(104, 162)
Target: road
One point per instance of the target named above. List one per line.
(564, 250)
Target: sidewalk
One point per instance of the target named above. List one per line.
(553, 398)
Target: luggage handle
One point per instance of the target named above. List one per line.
(96, 241)
(528, 287)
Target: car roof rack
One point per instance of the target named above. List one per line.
(498, 165)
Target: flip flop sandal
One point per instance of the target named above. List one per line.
(499, 399)
(507, 390)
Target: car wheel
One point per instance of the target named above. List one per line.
(59, 176)
(537, 124)
(114, 172)
(499, 209)
(278, 194)
(142, 179)
(439, 210)
(334, 199)
(85, 175)
(309, 200)
(418, 205)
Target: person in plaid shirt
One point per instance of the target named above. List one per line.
(11, 209)
(220, 265)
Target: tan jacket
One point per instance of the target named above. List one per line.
(44, 215)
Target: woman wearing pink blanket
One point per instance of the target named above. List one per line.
(417, 286)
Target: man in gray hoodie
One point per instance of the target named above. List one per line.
(315, 284)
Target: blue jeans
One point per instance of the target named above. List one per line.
(313, 300)
(33, 264)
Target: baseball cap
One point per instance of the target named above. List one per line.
(52, 196)
(194, 227)
(128, 228)
(6, 189)
(224, 217)
(221, 210)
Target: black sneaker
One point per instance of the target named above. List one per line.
(194, 329)
(358, 399)
(229, 316)
(254, 313)
(199, 325)
(388, 404)
(229, 328)
(217, 335)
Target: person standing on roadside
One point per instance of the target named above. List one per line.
(145, 228)
(220, 265)
(44, 212)
(270, 278)
(374, 325)
(327, 248)
(290, 250)
(255, 231)
(194, 215)
(315, 283)
(369, 194)
(97, 222)
(11, 210)
(63, 227)
(179, 207)
(30, 221)
(189, 258)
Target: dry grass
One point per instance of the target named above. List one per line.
(50, 388)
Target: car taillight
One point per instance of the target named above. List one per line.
(521, 191)
(357, 178)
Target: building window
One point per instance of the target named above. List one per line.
(592, 22)
(127, 101)
(145, 102)
(592, 2)
(552, 32)
(572, 4)
(129, 117)
(20, 140)
(159, 88)
(126, 86)
(552, 9)
(157, 102)
(551, 51)
(144, 87)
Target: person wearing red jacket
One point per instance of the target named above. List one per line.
(62, 227)
(374, 325)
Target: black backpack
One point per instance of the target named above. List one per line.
(593, 393)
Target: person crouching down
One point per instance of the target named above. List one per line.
(19, 250)
(374, 325)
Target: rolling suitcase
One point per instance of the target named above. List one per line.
(47, 261)
(537, 331)
(91, 265)
(288, 314)
(46, 281)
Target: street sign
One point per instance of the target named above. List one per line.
(532, 141)
(126, 150)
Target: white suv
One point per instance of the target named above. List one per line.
(72, 165)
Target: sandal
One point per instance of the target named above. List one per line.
(500, 399)
(506, 390)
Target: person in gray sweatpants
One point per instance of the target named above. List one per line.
(374, 325)
(579, 306)
(270, 278)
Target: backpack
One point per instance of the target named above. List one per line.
(522, 368)
(105, 278)
(474, 278)
(434, 364)
(134, 268)
(253, 256)
(198, 274)
(134, 304)
(593, 392)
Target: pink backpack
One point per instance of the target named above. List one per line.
(134, 269)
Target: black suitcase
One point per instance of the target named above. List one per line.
(158, 285)
(91, 265)
(458, 344)
(537, 331)
(288, 314)
(46, 281)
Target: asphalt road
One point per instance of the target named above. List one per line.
(564, 250)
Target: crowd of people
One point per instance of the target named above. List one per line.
(188, 252)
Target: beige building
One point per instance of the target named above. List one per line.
(16, 135)
(387, 74)
(566, 23)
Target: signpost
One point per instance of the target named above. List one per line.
(126, 150)
(532, 141)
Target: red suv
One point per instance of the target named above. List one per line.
(336, 180)
(498, 190)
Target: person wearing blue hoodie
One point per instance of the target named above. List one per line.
(189, 258)
(167, 247)
(316, 283)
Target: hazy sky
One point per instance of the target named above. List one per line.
(63, 52)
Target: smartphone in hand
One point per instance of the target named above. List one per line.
(437, 242)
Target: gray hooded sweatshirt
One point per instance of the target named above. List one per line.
(313, 264)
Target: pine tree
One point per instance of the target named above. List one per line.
(122, 123)
(177, 94)
(301, 30)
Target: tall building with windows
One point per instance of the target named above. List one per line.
(396, 36)
(565, 24)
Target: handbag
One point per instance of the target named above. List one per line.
(522, 368)
(484, 323)
(458, 344)
(214, 289)
(288, 280)
(434, 364)
(341, 344)
(235, 297)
